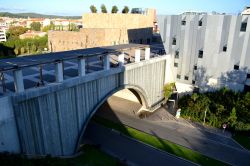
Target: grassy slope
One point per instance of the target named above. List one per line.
(164, 145)
(91, 157)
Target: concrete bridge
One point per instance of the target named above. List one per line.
(50, 118)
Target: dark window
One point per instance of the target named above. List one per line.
(186, 77)
(236, 67)
(176, 54)
(178, 76)
(200, 54)
(148, 41)
(195, 67)
(200, 23)
(174, 41)
(183, 22)
(243, 27)
(175, 64)
(140, 41)
(225, 48)
(193, 82)
(248, 75)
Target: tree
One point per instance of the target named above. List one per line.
(168, 90)
(114, 9)
(36, 26)
(93, 9)
(72, 27)
(103, 8)
(232, 119)
(125, 9)
(16, 31)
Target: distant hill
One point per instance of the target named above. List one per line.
(35, 15)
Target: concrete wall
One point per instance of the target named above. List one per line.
(52, 119)
(9, 140)
(96, 37)
(216, 68)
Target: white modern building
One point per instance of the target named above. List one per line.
(2, 32)
(207, 51)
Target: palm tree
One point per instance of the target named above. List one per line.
(114, 9)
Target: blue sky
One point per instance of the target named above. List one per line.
(78, 7)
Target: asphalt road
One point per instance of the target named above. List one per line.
(212, 145)
(129, 150)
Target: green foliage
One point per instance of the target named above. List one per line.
(93, 9)
(15, 47)
(104, 9)
(36, 26)
(73, 27)
(125, 9)
(223, 106)
(15, 31)
(49, 27)
(168, 90)
(232, 119)
(114, 9)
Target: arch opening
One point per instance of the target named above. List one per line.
(123, 101)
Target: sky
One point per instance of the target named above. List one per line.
(78, 7)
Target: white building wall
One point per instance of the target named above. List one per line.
(216, 68)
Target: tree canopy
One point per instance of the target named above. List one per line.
(15, 32)
(114, 9)
(36, 26)
(93, 9)
(104, 9)
(125, 9)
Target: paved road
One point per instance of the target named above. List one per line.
(209, 144)
(136, 153)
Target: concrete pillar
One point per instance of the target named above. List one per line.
(18, 80)
(59, 71)
(106, 62)
(121, 59)
(147, 53)
(137, 55)
(81, 67)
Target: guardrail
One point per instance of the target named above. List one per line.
(104, 57)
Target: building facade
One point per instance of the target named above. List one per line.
(3, 32)
(208, 51)
(105, 29)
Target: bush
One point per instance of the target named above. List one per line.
(223, 106)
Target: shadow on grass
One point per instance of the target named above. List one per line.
(90, 156)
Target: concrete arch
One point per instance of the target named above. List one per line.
(143, 98)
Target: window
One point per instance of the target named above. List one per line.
(183, 22)
(193, 82)
(176, 54)
(175, 64)
(243, 27)
(186, 77)
(200, 23)
(174, 41)
(200, 54)
(195, 67)
(225, 48)
(236, 67)
(178, 76)
(248, 75)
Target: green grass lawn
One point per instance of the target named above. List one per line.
(159, 143)
(243, 140)
(91, 157)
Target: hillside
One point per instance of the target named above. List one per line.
(35, 15)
